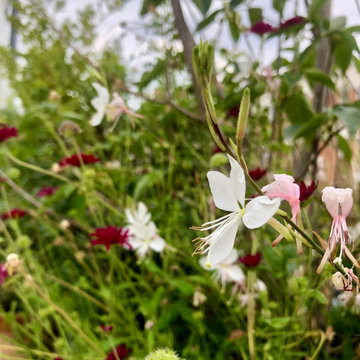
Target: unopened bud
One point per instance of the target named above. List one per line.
(68, 128)
(338, 281)
(243, 115)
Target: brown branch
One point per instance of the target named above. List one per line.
(188, 45)
(166, 101)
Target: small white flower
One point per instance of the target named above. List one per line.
(64, 224)
(229, 195)
(100, 103)
(199, 298)
(13, 263)
(227, 270)
(143, 232)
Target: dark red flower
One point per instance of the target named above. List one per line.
(46, 191)
(233, 112)
(14, 214)
(297, 20)
(74, 160)
(121, 351)
(3, 273)
(251, 260)
(7, 132)
(307, 190)
(111, 235)
(217, 150)
(257, 173)
(58, 358)
(261, 28)
(107, 328)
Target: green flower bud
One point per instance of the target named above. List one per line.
(163, 354)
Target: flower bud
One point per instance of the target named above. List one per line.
(338, 281)
(68, 128)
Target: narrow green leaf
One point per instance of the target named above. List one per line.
(316, 75)
(207, 21)
(344, 146)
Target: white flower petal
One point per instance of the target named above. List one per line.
(259, 210)
(234, 273)
(231, 258)
(97, 118)
(223, 241)
(157, 244)
(237, 178)
(222, 190)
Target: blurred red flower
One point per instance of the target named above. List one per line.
(257, 173)
(3, 273)
(74, 160)
(297, 20)
(307, 190)
(107, 328)
(7, 132)
(251, 260)
(111, 235)
(14, 214)
(46, 191)
(120, 352)
(261, 28)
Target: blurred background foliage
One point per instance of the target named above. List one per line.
(304, 120)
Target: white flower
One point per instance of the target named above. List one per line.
(13, 263)
(229, 195)
(100, 103)
(143, 232)
(227, 270)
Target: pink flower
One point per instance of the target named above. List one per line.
(3, 273)
(251, 260)
(261, 28)
(7, 132)
(14, 214)
(257, 174)
(111, 235)
(338, 202)
(74, 160)
(284, 188)
(119, 353)
(46, 191)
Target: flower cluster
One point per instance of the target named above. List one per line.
(143, 232)
(46, 191)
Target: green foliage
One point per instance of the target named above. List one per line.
(162, 354)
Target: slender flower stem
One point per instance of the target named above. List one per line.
(65, 316)
(37, 168)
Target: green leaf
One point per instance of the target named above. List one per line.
(149, 5)
(316, 75)
(349, 116)
(344, 44)
(255, 15)
(147, 181)
(298, 109)
(218, 160)
(317, 295)
(344, 146)
(203, 5)
(235, 3)
(278, 323)
(315, 7)
(279, 5)
(155, 72)
(234, 24)
(337, 23)
(202, 24)
(309, 128)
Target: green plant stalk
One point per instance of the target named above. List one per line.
(63, 313)
(37, 168)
